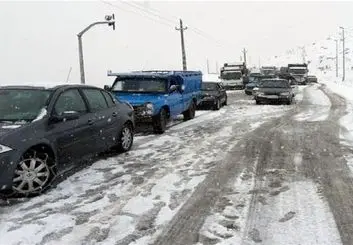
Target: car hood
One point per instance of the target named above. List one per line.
(136, 99)
(274, 90)
(7, 128)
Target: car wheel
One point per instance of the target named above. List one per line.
(190, 113)
(217, 106)
(160, 122)
(257, 102)
(289, 102)
(34, 173)
(126, 138)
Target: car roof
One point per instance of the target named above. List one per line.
(48, 86)
(275, 80)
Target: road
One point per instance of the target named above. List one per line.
(246, 174)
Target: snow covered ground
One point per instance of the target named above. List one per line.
(131, 197)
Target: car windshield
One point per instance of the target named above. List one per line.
(228, 75)
(140, 85)
(22, 104)
(297, 71)
(209, 86)
(274, 84)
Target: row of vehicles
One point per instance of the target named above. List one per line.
(237, 75)
(45, 131)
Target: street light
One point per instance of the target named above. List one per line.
(110, 20)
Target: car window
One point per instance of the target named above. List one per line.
(95, 99)
(109, 99)
(70, 101)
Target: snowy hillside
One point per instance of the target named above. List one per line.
(320, 56)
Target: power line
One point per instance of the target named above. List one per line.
(136, 13)
(157, 13)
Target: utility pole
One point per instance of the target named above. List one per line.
(110, 20)
(244, 53)
(344, 54)
(336, 57)
(181, 28)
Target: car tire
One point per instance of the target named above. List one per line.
(190, 113)
(217, 106)
(34, 173)
(289, 102)
(160, 122)
(126, 138)
(226, 102)
(258, 102)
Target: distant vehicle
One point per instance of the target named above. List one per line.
(43, 131)
(158, 96)
(255, 81)
(274, 90)
(214, 96)
(234, 75)
(269, 70)
(299, 72)
(312, 79)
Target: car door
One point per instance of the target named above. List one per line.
(72, 137)
(102, 116)
(115, 120)
(174, 99)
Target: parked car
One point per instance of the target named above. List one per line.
(274, 90)
(312, 79)
(214, 96)
(158, 96)
(43, 131)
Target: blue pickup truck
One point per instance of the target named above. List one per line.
(158, 96)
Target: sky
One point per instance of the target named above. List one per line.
(39, 39)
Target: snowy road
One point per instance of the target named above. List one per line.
(246, 174)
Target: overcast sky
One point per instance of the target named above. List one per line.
(39, 42)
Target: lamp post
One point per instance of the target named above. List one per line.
(110, 20)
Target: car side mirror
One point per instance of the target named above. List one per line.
(173, 88)
(107, 88)
(65, 116)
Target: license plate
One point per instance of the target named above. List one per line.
(272, 96)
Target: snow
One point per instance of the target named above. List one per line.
(43, 112)
(311, 213)
(211, 77)
(318, 106)
(11, 126)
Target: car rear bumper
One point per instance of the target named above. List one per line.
(279, 99)
(8, 164)
(206, 103)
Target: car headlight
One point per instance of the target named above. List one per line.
(285, 94)
(4, 149)
(260, 93)
(149, 108)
